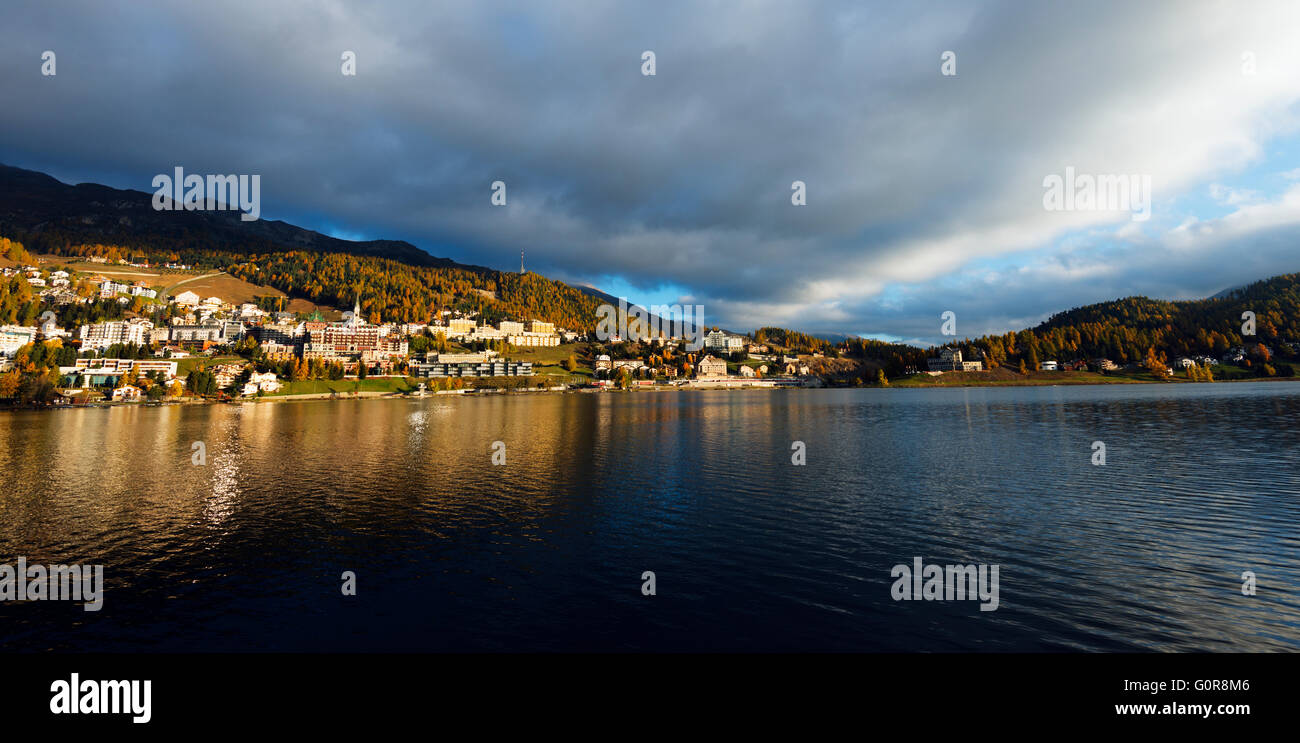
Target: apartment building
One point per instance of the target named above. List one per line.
(99, 371)
(443, 367)
(279, 341)
(533, 339)
(102, 335)
(723, 342)
(349, 339)
(14, 337)
(458, 327)
(211, 333)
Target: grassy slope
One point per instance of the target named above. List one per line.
(203, 283)
(345, 386)
(548, 361)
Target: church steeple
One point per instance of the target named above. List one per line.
(356, 319)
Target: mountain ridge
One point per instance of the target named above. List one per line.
(44, 209)
(401, 282)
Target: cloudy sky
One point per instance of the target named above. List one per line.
(925, 191)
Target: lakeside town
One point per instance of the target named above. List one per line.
(185, 346)
(102, 339)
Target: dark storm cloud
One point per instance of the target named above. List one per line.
(681, 178)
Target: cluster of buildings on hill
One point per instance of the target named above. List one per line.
(525, 334)
(38, 278)
(211, 323)
(207, 325)
(708, 370)
(56, 286)
(718, 341)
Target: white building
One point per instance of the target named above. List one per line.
(113, 369)
(105, 334)
(485, 333)
(458, 327)
(211, 333)
(710, 366)
(723, 342)
(226, 374)
(261, 383)
(950, 360)
(533, 339)
(110, 288)
(49, 328)
(187, 298)
(14, 337)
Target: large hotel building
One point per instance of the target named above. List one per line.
(114, 332)
(468, 365)
(354, 338)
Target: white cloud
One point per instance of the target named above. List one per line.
(1193, 260)
(1229, 196)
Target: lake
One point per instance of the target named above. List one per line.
(749, 551)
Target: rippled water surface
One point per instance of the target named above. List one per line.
(750, 552)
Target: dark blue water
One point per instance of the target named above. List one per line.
(749, 551)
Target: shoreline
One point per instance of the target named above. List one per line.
(491, 391)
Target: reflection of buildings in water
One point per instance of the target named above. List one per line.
(452, 446)
(416, 422)
(531, 428)
(418, 425)
(225, 488)
(965, 398)
(56, 468)
(258, 430)
(726, 420)
(153, 429)
(602, 424)
(224, 454)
